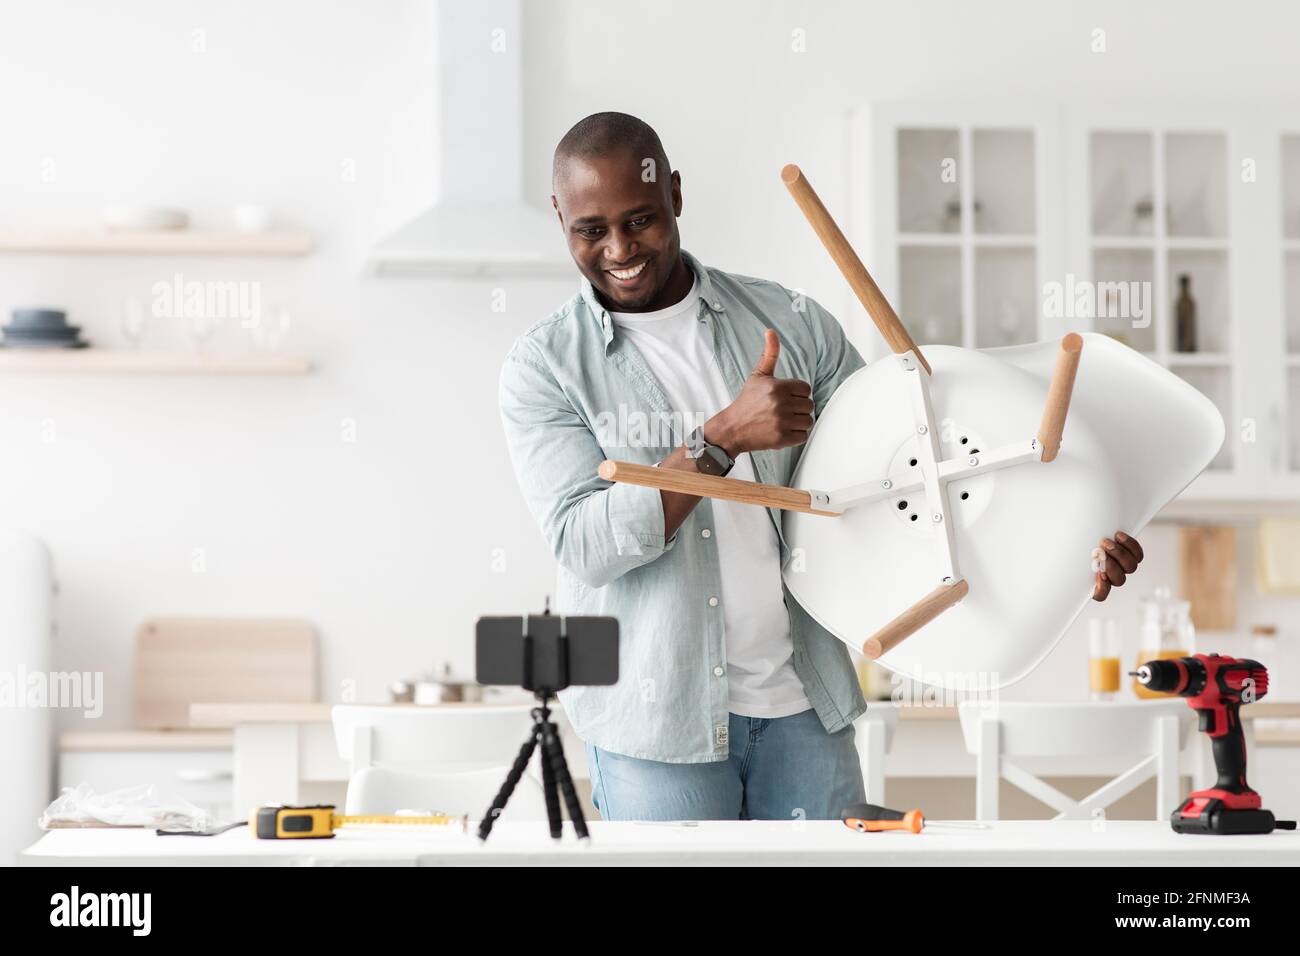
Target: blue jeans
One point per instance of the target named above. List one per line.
(778, 769)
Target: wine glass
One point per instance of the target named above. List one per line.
(133, 320)
(271, 327)
(202, 327)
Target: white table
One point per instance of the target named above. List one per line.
(1006, 843)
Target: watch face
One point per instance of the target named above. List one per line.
(711, 461)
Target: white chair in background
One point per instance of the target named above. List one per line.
(451, 759)
(470, 792)
(1155, 731)
(430, 738)
(874, 736)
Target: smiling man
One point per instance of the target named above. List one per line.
(732, 702)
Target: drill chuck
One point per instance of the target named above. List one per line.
(1184, 676)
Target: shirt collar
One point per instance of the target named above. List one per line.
(704, 289)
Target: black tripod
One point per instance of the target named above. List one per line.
(555, 775)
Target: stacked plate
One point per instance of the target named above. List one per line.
(42, 329)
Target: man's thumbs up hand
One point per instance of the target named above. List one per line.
(769, 412)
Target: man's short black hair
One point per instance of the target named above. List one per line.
(603, 134)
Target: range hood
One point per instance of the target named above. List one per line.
(480, 225)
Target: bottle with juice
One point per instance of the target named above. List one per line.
(1103, 659)
(1166, 631)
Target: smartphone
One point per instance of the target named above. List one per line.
(587, 657)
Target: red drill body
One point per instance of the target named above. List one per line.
(1215, 687)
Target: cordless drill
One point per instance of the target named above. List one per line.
(1216, 686)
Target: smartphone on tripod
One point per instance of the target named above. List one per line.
(545, 653)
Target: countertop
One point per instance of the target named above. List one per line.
(1019, 842)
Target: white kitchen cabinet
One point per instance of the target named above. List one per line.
(1154, 195)
(984, 224)
(196, 767)
(956, 223)
(1285, 144)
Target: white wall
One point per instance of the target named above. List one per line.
(733, 102)
(382, 542)
(385, 543)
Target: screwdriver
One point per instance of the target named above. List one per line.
(869, 818)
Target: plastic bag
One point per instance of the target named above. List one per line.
(142, 806)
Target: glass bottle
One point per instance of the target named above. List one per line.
(1185, 308)
(1166, 631)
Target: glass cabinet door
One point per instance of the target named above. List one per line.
(967, 235)
(1173, 227)
(1159, 254)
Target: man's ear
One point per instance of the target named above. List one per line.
(555, 204)
(676, 181)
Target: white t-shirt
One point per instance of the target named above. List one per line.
(760, 657)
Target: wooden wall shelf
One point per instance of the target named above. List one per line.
(163, 242)
(123, 362)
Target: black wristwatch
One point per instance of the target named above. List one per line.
(709, 459)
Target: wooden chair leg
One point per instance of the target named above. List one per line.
(1058, 396)
(859, 279)
(914, 618)
(711, 486)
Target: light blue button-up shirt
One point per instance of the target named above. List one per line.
(574, 392)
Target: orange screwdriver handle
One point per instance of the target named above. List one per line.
(912, 821)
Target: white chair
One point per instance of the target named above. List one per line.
(997, 731)
(432, 739)
(874, 736)
(452, 759)
(383, 790)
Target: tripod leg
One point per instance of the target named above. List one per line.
(553, 753)
(507, 788)
(549, 788)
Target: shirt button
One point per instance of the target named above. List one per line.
(713, 602)
(706, 533)
(718, 672)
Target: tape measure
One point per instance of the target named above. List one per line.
(318, 822)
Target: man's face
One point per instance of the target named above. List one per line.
(621, 230)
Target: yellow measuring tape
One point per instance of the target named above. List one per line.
(320, 821)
